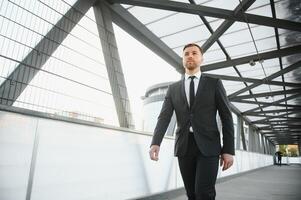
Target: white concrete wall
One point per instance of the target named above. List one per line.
(75, 161)
(291, 160)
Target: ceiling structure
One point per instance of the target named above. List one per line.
(253, 46)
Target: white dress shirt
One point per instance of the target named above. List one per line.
(196, 81)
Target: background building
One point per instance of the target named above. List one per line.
(152, 103)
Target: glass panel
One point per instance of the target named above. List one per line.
(238, 33)
(241, 50)
(224, 71)
(230, 5)
(195, 35)
(150, 15)
(214, 54)
(244, 107)
(176, 23)
(214, 22)
(288, 9)
(261, 8)
(232, 86)
(289, 38)
(261, 70)
(271, 66)
(260, 89)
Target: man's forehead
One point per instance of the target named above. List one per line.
(192, 48)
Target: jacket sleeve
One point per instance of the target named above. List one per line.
(163, 119)
(223, 107)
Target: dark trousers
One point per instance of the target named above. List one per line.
(198, 172)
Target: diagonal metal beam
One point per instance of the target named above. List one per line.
(113, 65)
(139, 31)
(255, 57)
(273, 111)
(277, 116)
(272, 116)
(272, 3)
(281, 127)
(252, 80)
(278, 103)
(212, 12)
(279, 132)
(265, 104)
(243, 6)
(277, 121)
(267, 94)
(21, 76)
(271, 77)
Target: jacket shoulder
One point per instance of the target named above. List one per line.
(175, 84)
(211, 80)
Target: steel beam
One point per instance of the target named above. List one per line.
(271, 77)
(241, 8)
(113, 64)
(212, 12)
(267, 94)
(252, 80)
(277, 103)
(134, 27)
(255, 57)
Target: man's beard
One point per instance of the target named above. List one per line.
(191, 66)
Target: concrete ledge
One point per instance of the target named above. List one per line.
(33, 113)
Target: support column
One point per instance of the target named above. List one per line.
(251, 139)
(240, 124)
(116, 77)
(268, 146)
(238, 133)
(261, 144)
(257, 143)
(264, 144)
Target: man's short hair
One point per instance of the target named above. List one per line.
(193, 45)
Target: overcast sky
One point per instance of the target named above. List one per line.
(142, 68)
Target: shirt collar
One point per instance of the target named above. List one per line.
(197, 75)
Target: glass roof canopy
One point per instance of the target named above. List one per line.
(253, 46)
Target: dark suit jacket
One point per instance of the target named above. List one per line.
(210, 98)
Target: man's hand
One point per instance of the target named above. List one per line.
(154, 152)
(226, 161)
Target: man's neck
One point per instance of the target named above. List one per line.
(192, 72)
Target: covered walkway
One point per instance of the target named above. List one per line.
(269, 183)
(275, 183)
(74, 120)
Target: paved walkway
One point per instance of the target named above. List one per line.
(270, 183)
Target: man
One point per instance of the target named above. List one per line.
(196, 100)
(279, 157)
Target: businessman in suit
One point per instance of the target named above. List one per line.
(196, 99)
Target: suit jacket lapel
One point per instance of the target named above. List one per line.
(184, 93)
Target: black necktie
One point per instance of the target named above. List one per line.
(191, 91)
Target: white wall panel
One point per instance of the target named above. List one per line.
(17, 133)
(76, 161)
